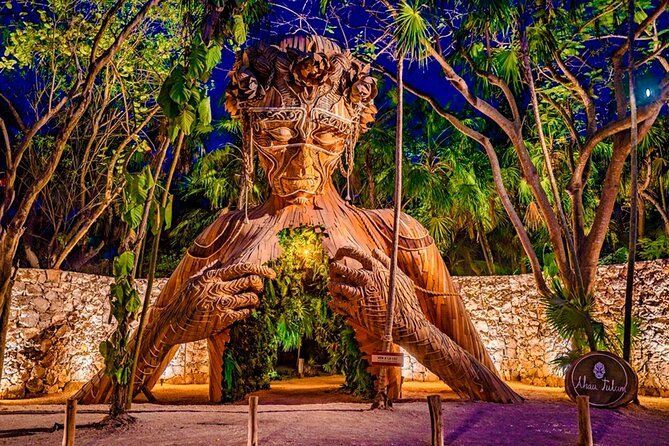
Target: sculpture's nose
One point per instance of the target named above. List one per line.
(303, 161)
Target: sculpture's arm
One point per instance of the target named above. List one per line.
(206, 305)
(362, 295)
(437, 294)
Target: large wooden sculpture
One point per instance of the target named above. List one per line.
(303, 104)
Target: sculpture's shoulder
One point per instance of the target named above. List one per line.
(412, 234)
(212, 239)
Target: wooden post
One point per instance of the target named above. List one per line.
(584, 426)
(434, 403)
(300, 367)
(70, 415)
(253, 421)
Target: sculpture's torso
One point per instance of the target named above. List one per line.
(231, 239)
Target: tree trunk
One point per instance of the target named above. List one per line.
(634, 195)
(8, 246)
(573, 281)
(487, 252)
(664, 215)
(74, 238)
(152, 268)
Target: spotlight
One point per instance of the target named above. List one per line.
(648, 92)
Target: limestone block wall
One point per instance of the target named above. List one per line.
(59, 318)
(509, 315)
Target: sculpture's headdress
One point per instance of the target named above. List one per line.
(294, 78)
(301, 71)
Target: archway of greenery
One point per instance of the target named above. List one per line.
(294, 308)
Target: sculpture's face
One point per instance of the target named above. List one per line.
(299, 150)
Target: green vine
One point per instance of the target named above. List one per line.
(294, 307)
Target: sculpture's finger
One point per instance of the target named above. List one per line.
(345, 309)
(346, 291)
(245, 300)
(355, 253)
(250, 283)
(339, 306)
(238, 315)
(356, 276)
(381, 257)
(239, 270)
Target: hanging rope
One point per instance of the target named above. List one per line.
(248, 160)
(382, 398)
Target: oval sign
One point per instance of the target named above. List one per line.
(608, 380)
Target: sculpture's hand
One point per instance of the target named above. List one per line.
(211, 301)
(206, 305)
(362, 295)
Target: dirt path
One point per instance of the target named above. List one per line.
(313, 412)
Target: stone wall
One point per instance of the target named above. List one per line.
(59, 318)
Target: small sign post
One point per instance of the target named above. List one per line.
(607, 380)
(388, 359)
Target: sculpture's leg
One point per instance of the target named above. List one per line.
(216, 346)
(370, 344)
(155, 377)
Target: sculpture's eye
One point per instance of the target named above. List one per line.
(326, 138)
(281, 134)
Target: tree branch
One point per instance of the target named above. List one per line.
(515, 219)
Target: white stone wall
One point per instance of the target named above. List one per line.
(509, 315)
(59, 318)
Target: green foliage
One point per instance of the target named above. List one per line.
(125, 302)
(615, 258)
(650, 249)
(183, 95)
(411, 29)
(571, 316)
(294, 307)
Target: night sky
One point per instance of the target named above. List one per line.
(283, 19)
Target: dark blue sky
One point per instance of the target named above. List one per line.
(286, 17)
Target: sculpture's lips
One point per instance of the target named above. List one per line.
(300, 178)
(308, 184)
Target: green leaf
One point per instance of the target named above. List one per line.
(106, 348)
(239, 29)
(179, 91)
(124, 263)
(168, 212)
(148, 181)
(134, 302)
(213, 56)
(173, 131)
(117, 292)
(169, 106)
(204, 111)
(154, 218)
(197, 61)
(186, 119)
(133, 215)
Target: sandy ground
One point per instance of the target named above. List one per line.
(313, 411)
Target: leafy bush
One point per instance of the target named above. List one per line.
(654, 249)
